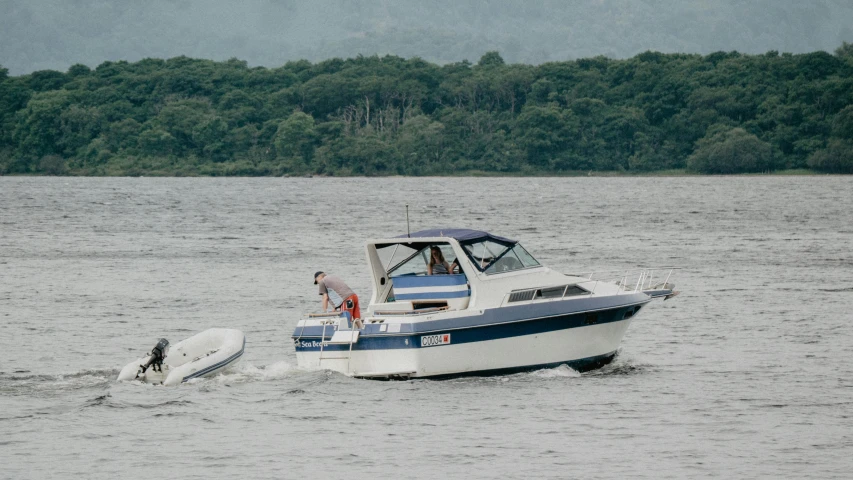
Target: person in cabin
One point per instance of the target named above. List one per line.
(437, 264)
(334, 290)
(455, 268)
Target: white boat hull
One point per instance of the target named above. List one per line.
(204, 354)
(581, 348)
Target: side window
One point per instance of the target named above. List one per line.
(515, 259)
(525, 258)
(484, 253)
(417, 265)
(447, 251)
(506, 263)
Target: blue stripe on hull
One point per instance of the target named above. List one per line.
(218, 365)
(431, 295)
(520, 313)
(466, 335)
(427, 281)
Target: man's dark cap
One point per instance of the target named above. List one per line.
(315, 277)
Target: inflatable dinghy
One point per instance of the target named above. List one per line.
(204, 354)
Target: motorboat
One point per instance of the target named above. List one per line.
(497, 311)
(204, 354)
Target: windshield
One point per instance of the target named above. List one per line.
(393, 255)
(493, 257)
(399, 259)
(487, 256)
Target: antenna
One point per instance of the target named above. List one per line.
(408, 231)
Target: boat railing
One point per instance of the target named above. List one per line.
(633, 280)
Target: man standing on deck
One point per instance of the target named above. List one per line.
(334, 289)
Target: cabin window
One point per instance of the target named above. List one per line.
(392, 256)
(553, 292)
(521, 296)
(494, 257)
(574, 290)
(483, 254)
(421, 305)
(400, 259)
(525, 258)
(546, 293)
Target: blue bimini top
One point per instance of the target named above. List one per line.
(462, 235)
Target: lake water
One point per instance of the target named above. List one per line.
(746, 374)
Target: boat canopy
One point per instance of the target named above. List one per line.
(487, 253)
(461, 235)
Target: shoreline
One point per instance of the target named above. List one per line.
(469, 174)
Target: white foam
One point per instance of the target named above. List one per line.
(562, 371)
(273, 371)
(247, 372)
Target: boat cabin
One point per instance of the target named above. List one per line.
(406, 281)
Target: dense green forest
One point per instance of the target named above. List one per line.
(717, 113)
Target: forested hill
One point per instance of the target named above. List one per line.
(718, 113)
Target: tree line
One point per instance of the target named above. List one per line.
(720, 113)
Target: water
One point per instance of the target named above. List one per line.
(746, 374)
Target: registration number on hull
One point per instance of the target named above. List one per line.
(433, 340)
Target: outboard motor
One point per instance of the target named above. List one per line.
(158, 354)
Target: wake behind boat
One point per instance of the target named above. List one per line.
(497, 311)
(204, 354)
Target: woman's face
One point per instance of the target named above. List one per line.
(435, 253)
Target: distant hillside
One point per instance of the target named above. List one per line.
(54, 34)
(718, 113)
